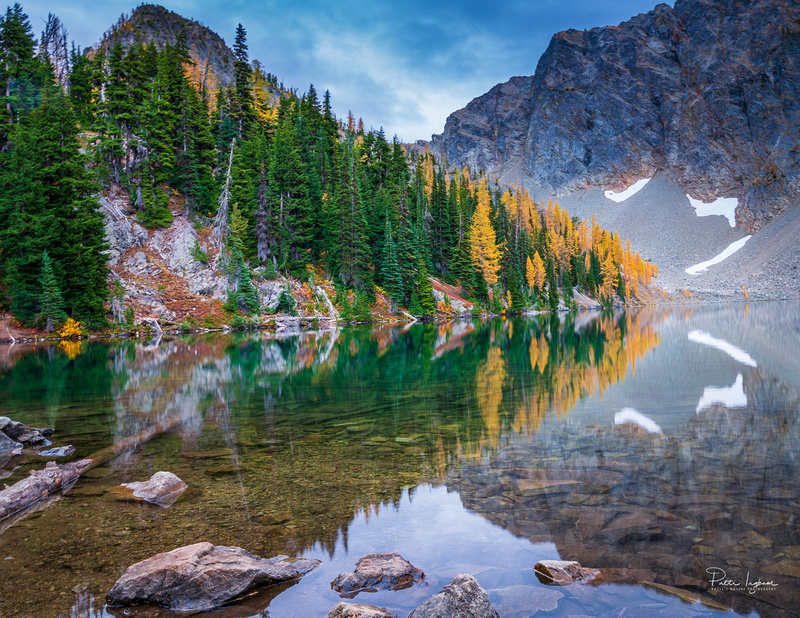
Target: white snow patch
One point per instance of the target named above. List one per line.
(629, 192)
(732, 248)
(629, 415)
(729, 396)
(737, 354)
(725, 206)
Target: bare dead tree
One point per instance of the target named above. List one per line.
(53, 47)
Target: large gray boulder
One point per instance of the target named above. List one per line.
(201, 576)
(461, 598)
(387, 571)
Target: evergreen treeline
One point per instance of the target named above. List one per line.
(292, 186)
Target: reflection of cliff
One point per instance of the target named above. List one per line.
(555, 366)
(720, 493)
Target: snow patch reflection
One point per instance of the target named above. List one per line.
(629, 415)
(737, 354)
(729, 396)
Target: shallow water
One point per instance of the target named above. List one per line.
(653, 445)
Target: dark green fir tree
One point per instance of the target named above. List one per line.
(51, 303)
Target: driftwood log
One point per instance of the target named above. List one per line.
(39, 485)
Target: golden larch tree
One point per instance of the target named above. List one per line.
(485, 253)
(539, 273)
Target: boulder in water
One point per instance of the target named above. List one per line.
(201, 576)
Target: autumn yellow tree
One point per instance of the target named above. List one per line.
(535, 272)
(530, 273)
(609, 274)
(485, 253)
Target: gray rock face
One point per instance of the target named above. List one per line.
(201, 576)
(461, 598)
(704, 91)
(122, 232)
(388, 571)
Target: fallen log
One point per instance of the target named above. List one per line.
(39, 485)
(131, 442)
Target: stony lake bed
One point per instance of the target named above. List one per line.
(658, 446)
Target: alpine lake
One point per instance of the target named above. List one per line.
(660, 446)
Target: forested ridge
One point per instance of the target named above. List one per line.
(285, 184)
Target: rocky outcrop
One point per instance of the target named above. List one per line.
(201, 576)
(704, 92)
(388, 571)
(14, 434)
(122, 231)
(463, 597)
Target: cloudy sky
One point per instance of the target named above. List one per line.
(404, 66)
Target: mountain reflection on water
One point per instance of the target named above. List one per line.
(659, 446)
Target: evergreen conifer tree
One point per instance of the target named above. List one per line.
(390, 270)
(51, 303)
(47, 202)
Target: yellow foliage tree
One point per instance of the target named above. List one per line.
(70, 329)
(609, 273)
(539, 273)
(530, 273)
(485, 253)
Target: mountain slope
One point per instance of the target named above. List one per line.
(704, 92)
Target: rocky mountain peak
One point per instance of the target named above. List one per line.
(212, 58)
(704, 92)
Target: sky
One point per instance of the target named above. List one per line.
(400, 65)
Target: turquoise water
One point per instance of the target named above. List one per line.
(651, 445)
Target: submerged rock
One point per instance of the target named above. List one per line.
(61, 451)
(201, 576)
(389, 571)
(351, 610)
(463, 597)
(524, 601)
(163, 488)
(563, 572)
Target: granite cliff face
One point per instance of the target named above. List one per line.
(705, 92)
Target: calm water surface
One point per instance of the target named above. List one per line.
(659, 446)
